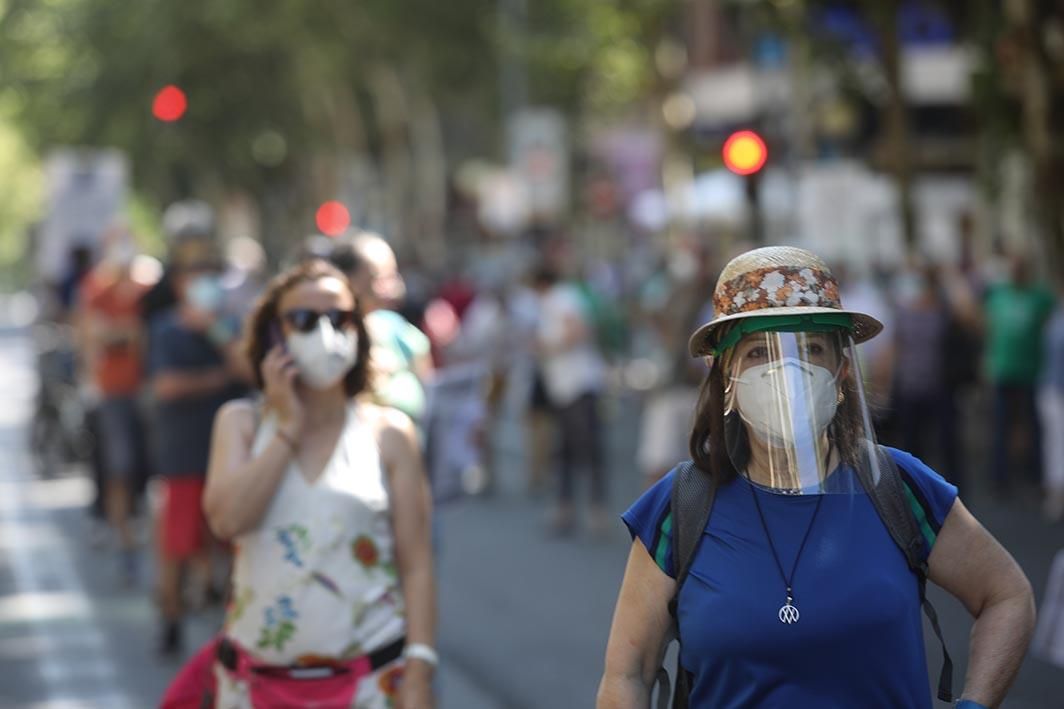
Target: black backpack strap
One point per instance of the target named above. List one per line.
(693, 492)
(891, 502)
(945, 677)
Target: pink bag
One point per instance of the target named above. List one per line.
(271, 687)
(194, 686)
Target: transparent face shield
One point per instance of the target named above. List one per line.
(796, 417)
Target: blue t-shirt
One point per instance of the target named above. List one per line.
(181, 428)
(859, 642)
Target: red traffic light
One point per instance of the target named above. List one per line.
(169, 104)
(333, 218)
(745, 152)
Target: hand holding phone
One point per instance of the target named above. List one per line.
(279, 375)
(276, 337)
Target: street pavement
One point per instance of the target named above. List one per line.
(524, 617)
(532, 613)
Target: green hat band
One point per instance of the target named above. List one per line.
(816, 322)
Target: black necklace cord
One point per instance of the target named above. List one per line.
(775, 555)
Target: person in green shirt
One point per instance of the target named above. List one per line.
(402, 362)
(1016, 314)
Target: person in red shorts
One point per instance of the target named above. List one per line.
(190, 380)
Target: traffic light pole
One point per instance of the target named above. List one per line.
(755, 223)
(745, 153)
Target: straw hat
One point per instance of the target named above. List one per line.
(776, 280)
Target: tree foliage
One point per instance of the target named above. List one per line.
(84, 72)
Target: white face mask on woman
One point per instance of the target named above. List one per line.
(809, 389)
(324, 355)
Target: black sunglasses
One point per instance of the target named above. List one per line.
(305, 319)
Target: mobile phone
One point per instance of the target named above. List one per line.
(277, 337)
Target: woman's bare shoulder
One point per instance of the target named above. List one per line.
(388, 424)
(238, 416)
(386, 418)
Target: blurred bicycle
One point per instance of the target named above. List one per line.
(59, 432)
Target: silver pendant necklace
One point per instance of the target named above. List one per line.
(788, 613)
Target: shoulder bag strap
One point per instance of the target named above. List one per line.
(693, 492)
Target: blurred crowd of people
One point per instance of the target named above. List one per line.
(974, 352)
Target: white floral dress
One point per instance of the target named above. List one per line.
(318, 577)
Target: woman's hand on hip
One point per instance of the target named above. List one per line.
(279, 375)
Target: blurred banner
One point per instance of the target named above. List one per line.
(86, 191)
(539, 153)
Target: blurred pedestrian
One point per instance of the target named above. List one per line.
(1051, 407)
(245, 276)
(113, 338)
(465, 396)
(1016, 313)
(324, 496)
(188, 227)
(923, 397)
(574, 375)
(862, 291)
(1048, 642)
(401, 357)
(781, 466)
(522, 315)
(80, 261)
(667, 414)
(190, 380)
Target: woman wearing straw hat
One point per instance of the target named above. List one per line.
(796, 595)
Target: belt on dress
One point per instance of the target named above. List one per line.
(229, 656)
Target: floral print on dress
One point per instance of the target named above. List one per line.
(296, 542)
(390, 680)
(365, 551)
(314, 660)
(352, 650)
(323, 580)
(777, 287)
(239, 604)
(391, 599)
(279, 624)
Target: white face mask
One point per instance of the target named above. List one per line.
(324, 355)
(787, 402)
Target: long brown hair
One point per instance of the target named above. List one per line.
(712, 427)
(265, 316)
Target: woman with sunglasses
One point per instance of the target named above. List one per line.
(324, 498)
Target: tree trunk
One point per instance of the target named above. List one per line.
(1044, 154)
(391, 104)
(430, 177)
(896, 119)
